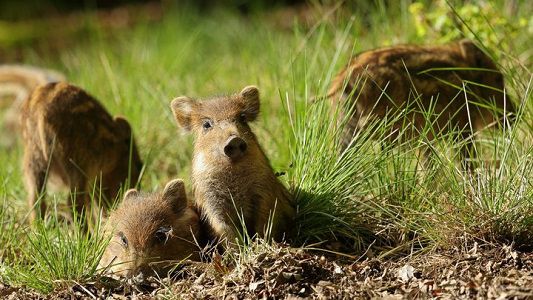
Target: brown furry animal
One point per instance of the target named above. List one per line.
(231, 174)
(151, 231)
(71, 138)
(430, 78)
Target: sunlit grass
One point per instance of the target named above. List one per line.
(393, 197)
(57, 254)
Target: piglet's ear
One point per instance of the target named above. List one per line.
(123, 128)
(475, 55)
(182, 108)
(131, 193)
(175, 193)
(250, 96)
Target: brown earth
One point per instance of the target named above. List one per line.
(488, 272)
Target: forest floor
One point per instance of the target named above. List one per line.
(486, 272)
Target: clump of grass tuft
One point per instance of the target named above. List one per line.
(494, 203)
(410, 194)
(58, 254)
(329, 183)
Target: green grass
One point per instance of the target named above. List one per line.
(57, 255)
(373, 194)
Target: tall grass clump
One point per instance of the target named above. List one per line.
(414, 193)
(330, 182)
(494, 202)
(58, 254)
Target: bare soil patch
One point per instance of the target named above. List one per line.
(285, 273)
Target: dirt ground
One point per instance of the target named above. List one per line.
(487, 272)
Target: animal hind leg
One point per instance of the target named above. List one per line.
(35, 182)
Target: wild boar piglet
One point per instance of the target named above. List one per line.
(232, 177)
(71, 139)
(457, 83)
(151, 232)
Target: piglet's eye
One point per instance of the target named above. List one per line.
(207, 124)
(163, 234)
(123, 239)
(242, 118)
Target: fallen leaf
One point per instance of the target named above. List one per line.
(406, 273)
(253, 285)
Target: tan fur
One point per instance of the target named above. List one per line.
(138, 224)
(384, 80)
(16, 83)
(220, 181)
(70, 137)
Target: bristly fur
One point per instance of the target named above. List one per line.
(226, 188)
(429, 78)
(134, 225)
(69, 136)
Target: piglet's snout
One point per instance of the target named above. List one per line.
(235, 147)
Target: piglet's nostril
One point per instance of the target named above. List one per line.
(235, 147)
